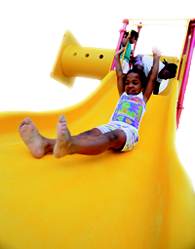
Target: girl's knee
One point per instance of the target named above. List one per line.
(95, 132)
(117, 136)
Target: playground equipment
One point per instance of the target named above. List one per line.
(141, 200)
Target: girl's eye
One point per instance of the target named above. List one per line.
(131, 82)
(134, 82)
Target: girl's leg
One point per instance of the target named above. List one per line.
(88, 134)
(39, 145)
(90, 145)
(36, 143)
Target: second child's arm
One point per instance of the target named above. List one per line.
(152, 75)
(119, 74)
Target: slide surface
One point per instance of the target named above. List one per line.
(138, 199)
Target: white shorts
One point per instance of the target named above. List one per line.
(130, 132)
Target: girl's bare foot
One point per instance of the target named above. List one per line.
(31, 137)
(63, 140)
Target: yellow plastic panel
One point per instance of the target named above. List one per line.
(140, 199)
(75, 60)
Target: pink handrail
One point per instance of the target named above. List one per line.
(122, 31)
(187, 68)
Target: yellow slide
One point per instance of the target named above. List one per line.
(140, 199)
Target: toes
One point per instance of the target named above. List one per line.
(61, 127)
(62, 119)
(25, 122)
(38, 153)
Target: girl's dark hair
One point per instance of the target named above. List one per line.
(141, 74)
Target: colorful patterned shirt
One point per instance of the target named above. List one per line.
(130, 109)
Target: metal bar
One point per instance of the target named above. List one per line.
(122, 31)
(157, 22)
(186, 73)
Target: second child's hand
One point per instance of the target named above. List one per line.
(119, 52)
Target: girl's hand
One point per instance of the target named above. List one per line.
(156, 52)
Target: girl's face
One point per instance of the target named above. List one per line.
(133, 84)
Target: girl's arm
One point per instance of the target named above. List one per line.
(119, 74)
(152, 77)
